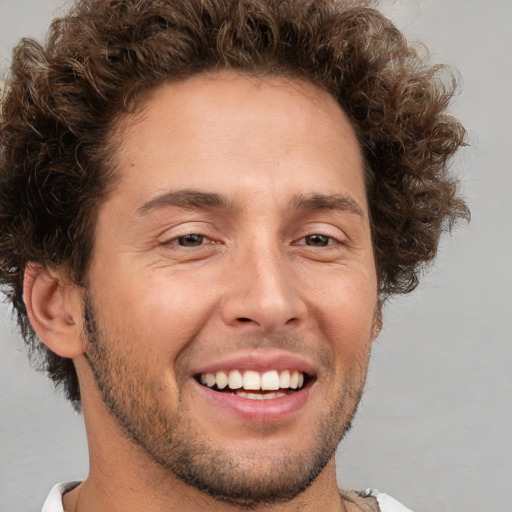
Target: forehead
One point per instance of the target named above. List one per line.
(221, 129)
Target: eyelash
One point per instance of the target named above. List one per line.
(327, 239)
(178, 239)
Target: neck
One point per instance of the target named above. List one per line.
(115, 492)
(124, 478)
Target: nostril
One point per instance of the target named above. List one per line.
(244, 319)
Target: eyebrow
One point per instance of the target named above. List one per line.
(187, 199)
(326, 202)
(210, 200)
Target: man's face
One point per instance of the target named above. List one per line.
(234, 251)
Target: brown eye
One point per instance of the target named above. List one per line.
(191, 240)
(317, 240)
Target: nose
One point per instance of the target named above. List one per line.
(264, 293)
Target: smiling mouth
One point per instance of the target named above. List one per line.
(255, 385)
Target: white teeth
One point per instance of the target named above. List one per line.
(294, 380)
(252, 396)
(235, 379)
(270, 381)
(260, 396)
(284, 379)
(253, 381)
(221, 379)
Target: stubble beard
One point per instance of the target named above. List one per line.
(171, 439)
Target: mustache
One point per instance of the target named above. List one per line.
(94, 337)
(293, 343)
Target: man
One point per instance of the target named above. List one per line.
(203, 206)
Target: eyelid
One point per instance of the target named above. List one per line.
(331, 241)
(328, 230)
(183, 228)
(174, 240)
(169, 237)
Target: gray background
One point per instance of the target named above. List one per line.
(435, 426)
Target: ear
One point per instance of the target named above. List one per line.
(377, 320)
(54, 308)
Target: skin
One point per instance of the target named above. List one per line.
(257, 285)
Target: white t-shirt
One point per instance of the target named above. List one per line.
(54, 501)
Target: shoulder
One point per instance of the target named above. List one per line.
(386, 503)
(54, 501)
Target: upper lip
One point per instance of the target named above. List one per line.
(259, 361)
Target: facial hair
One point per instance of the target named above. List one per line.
(168, 435)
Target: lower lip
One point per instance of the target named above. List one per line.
(260, 411)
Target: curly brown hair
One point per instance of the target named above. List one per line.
(62, 99)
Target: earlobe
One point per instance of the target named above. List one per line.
(54, 309)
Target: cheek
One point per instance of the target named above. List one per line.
(344, 309)
(342, 298)
(158, 313)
